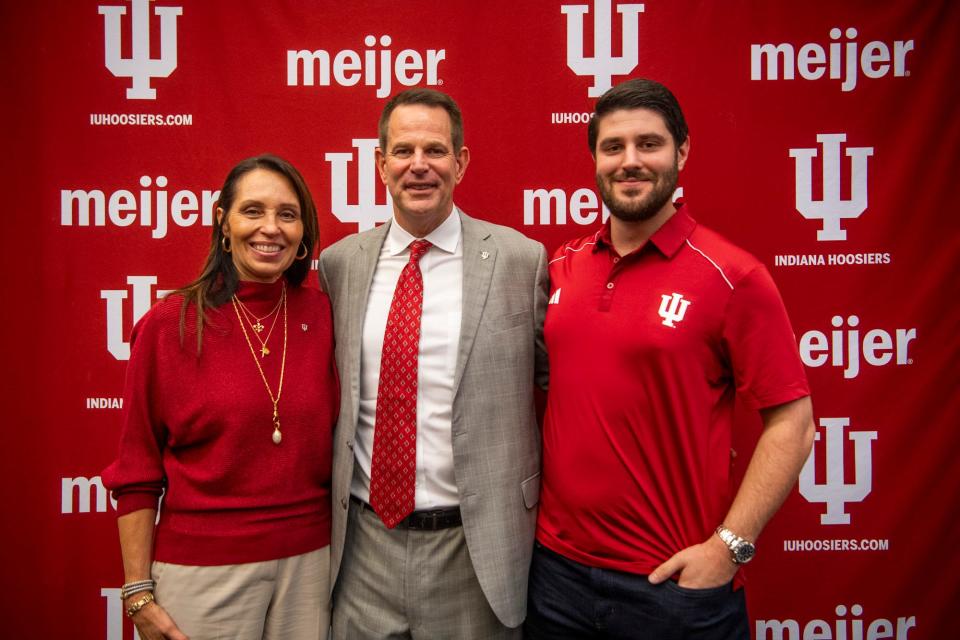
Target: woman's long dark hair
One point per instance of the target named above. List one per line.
(218, 280)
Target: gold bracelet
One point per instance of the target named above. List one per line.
(139, 604)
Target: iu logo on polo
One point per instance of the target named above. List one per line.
(140, 67)
(603, 65)
(832, 208)
(672, 309)
(836, 492)
(366, 213)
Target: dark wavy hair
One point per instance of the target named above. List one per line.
(218, 280)
(639, 93)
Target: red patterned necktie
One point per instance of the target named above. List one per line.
(393, 470)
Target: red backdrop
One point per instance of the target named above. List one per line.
(824, 140)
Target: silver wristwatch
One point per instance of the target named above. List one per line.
(741, 551)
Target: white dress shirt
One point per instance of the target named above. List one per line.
(442, 269)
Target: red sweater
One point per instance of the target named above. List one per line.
(200, 427)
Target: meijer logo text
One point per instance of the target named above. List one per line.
(842, 628)
(148, 207)
(844, 346)
(839, 60)
(374, 67)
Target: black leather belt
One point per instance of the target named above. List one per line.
(432, 520)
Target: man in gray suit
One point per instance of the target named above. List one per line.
(436, 463)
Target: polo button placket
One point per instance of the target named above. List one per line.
(617, 265)
(606, 298)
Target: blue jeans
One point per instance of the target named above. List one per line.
(571, 600)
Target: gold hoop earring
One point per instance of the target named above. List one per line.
(223, 243)
(306, 251)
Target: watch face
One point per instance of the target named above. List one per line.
(744, 552)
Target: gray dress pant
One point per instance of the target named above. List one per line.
(399, 583)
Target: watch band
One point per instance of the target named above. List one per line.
(139, 604)
(741, 550)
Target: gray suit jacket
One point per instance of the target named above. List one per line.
(496, 441)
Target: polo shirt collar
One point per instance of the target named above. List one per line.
(446, 237)
(667, 239)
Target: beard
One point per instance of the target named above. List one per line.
(645, 208)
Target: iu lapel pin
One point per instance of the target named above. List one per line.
(484, 255)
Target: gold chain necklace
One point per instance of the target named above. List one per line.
(264, 350)
(277, 436)
(257, 323)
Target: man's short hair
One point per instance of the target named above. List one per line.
(639, 93)
(429, 98)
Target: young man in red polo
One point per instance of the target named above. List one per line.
(655, 325)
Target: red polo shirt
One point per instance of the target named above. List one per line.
(647, 353)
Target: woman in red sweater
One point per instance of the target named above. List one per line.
(229, 404)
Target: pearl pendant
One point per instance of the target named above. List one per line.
(276, 436)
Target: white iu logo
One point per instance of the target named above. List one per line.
(366, 213)
(836, 492)
(832, 208)
(602, 66)
(140, 67)
(672, 308)
(142, 300)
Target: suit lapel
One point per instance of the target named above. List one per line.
(359, 279)
(479, 257)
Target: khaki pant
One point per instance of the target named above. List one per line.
(285, 599)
